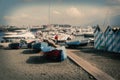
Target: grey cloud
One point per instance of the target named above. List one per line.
(113, 2)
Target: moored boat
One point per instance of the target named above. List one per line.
(77, 43)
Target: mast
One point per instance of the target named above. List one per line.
(49, 7)
(106, 20)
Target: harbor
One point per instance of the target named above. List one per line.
(60, 40)
(26, 64)
(30, 62)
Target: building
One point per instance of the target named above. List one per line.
(107, 39)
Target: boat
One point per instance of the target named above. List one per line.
(77, 43)
(16, 37)
(89, 34)
(57, 54)
(78, 33)
(61, 37)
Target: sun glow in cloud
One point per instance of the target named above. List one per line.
(74, 12)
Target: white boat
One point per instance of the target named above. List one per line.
(77, 43)
(10, 33)
(61, 37)
(78, 34)
(16, 37)
(89, 34)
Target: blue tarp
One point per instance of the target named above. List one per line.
(73, 43)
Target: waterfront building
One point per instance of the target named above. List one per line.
(107, 39)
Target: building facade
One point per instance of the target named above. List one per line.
(107, 39)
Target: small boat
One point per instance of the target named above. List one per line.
(89, 34)
(61, 37)
(57, 54)
(77, 43)
(91, 40)
(27, 36)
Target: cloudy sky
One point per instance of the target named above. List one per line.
(74, 12)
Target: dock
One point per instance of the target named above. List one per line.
(94, 71)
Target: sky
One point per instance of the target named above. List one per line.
(73, 12)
